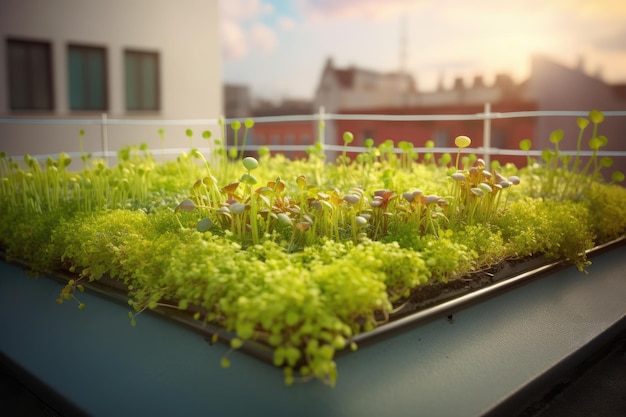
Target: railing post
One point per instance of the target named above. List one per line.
(487, 136)
(105, 139)
(321, 126)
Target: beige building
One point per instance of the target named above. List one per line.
(357, 88)
(478, 92)
(120, 59)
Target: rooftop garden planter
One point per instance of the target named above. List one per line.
(296, 261)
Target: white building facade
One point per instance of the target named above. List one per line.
(86, 60)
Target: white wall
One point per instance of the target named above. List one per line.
(183, 32)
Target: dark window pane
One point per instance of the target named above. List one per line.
(76, 79)
(442, 139)
(132, 101)
(142, 80)
(30, 75)
(149, 82)
(87, 78)
(95, 71)
(40, 77)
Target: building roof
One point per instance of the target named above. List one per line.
(346, 76)
(285, 108)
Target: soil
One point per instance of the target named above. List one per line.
(437, 293)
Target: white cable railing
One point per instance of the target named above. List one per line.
(486, 116)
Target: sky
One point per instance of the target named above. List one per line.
(279, 47)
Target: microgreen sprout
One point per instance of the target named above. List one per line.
(189, 134)
(476, 193)
(461, 142)
(407, 156)
(348, 138)
(83, 156)
(525, 145)
(161, 132)
(429, 157)
(233, 153)
(565, 180)
(248, 124)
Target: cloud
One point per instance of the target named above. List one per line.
(286, 24)
(241, 31)
(233, 41)
(262, 37)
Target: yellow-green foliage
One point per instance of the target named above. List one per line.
(299, 255)
(487, 243)
(607, 210)
(556, 229)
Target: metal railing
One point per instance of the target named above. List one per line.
(321, 117)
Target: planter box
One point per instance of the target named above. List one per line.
(495, 355)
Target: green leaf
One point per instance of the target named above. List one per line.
(525, 144)
(556, 136)
(236, 343)
(596, 116)
(292, 318)
(606, 162)
(595, 143)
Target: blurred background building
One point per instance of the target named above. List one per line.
(352, 90)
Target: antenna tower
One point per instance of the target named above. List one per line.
(403, 45)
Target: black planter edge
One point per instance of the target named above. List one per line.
(265, 353)
(451, 307)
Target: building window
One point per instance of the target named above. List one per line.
(142, 80)
(442, 139)
(366, 134)
(499, 138)
(30, 75)
(87, 77)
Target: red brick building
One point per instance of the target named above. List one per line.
(505, 133)
(281, 136)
